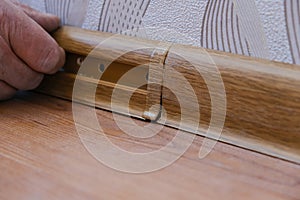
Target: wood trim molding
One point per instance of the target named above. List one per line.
(117, 55)
(262, 97)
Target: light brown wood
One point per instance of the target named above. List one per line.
(63, 88)
(262, 97)
(42, 157)
(88, 51)
(134, 51)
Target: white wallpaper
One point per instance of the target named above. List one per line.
(251, 27)
(272, 15)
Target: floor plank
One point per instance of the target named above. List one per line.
(41, 156)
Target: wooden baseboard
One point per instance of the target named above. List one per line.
(262, 98)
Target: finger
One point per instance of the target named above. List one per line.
(16, 73)
(6, 91)
(29, 41)
(48, 21)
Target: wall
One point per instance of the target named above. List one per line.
(260, 28)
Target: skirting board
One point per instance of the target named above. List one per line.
(254, 102)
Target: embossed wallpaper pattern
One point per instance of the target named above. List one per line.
(260, 28)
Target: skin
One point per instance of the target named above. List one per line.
(27, 51)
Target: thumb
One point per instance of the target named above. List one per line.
(29, 41)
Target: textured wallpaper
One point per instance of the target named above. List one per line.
(260, 28)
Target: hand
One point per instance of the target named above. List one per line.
(27, 51)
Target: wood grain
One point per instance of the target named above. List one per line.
(42, 157)
(121, 57)
(134, 51)
(262, 108)
(96, 93)
(262, 99)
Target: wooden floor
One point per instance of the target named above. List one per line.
(42, 157)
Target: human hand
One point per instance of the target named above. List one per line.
(27, 51)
